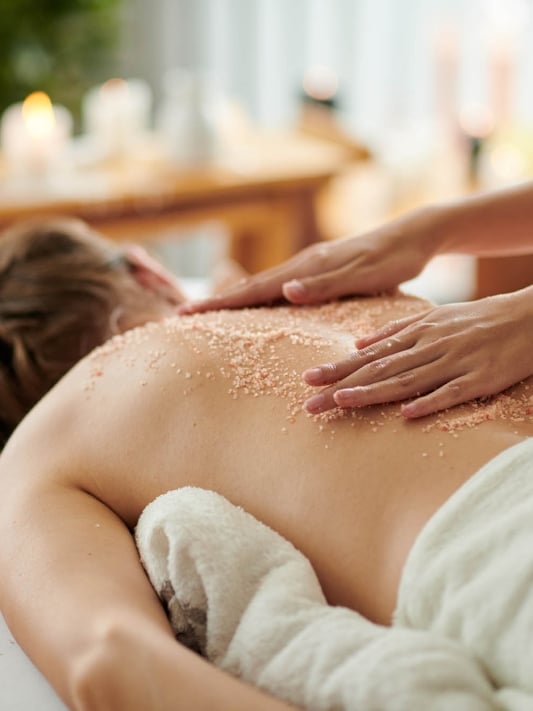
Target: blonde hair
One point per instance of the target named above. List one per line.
(61, 287)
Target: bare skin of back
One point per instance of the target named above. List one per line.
(215, 401)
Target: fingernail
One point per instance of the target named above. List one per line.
(315, 403)
(344, 397)
(409, 410)
(313, 375)
(294, 288)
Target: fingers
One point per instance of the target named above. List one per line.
(329, 285)
(448, 395)
(311, 276)
(389, 329)
(391, 379)
(399, 387)
(396, 388)
(248, 292)
(266, 286)
(377, 355)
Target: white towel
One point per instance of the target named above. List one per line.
(469, 575)
(245, 598)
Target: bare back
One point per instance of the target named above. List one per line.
(215, 401)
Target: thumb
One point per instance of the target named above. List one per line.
(315, 289)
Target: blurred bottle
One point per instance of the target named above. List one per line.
(186, 121)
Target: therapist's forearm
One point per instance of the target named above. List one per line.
(487, 224)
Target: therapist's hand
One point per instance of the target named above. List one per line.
(374, 262)
(442, 357)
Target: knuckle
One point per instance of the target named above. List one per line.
(422, 327)
(319, 253)
(370, 353)
(254, 289)
(447, 341)
(391, 327)
(454, 389)
(449, 395)
(378, 367)
(349, 365)
(247, 285)
(331, 371)
(405, 379)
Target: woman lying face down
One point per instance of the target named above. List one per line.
(64, 290)
(213, 401)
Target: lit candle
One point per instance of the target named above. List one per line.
(35, 136)
(505, 28)
(477, 123)
(116, 114)
(446, 55)
(502, 67)
(320, 85)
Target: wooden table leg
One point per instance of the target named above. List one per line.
(499, 275)
(266, 240)
(307, 229)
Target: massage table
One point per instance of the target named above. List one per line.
(22, 686)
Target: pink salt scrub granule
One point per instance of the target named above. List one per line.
(511, 407)
(253, 365)
(120, 346)
(250, 353)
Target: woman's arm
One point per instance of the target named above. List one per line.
(78, 601)
(443, 357)
(486, 224)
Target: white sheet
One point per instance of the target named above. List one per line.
(22, 686)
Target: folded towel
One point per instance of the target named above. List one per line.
(245, 598)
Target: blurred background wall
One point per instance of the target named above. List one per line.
(421, 82)
(389, 56)
(439, 93)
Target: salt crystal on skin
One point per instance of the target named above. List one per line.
(247, 353)
(502, 406)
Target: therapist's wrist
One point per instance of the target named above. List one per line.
(426, 227)
(522, 302)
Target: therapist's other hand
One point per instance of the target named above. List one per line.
(441, 358)
(375, 262)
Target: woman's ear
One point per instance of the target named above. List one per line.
(150, 274)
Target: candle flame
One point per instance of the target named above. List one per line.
(38, 114)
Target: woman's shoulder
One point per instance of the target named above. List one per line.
(114, 383)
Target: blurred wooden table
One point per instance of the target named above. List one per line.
(264, 193)
(498, 275)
